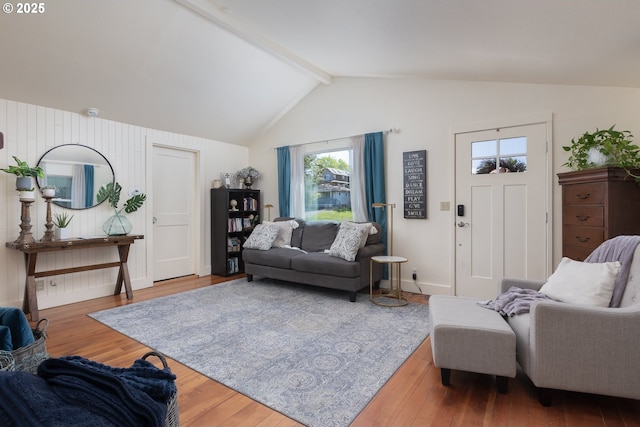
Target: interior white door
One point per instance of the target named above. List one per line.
(501, 228)
(173, 200)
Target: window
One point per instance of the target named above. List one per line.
(327, 187)
(509, 153)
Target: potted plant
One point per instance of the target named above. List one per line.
(607, 147)
(48, 191)
(118, 224)
(26, 194)
(62, 221)
(248, 175)
(24, 173)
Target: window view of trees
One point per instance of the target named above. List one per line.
(327, 188)
(508, 164)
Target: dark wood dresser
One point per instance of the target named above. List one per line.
(597, 204)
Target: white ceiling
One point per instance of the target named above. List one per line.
(228, 69)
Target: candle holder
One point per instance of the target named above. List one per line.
(48, 234)
(25, 225)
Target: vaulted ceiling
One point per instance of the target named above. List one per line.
(228, 69)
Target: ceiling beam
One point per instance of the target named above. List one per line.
(225, 20)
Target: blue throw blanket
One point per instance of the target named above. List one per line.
(73, 391)
(15, 331)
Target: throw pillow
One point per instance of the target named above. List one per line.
(366, 228)
(347, 243)
(262, 237)
(284, 233)
(584, 283)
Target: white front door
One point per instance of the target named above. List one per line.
(501, 194)
(173, 201)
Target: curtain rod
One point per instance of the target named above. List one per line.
(392, 130)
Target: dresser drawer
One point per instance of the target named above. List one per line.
(589, 216)
(583, 194)
(576, 253)
(582, 237)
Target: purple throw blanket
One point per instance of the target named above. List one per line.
(514, 301)
(619, 248)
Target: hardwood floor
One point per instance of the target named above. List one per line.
(414, 396)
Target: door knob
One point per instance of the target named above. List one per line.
(155, 219)
(462, 224)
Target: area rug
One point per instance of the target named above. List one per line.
(303, 351)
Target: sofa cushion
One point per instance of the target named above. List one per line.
(323, 263)
(348, 241)
(318, 236)
(262, 237)
(274, 257)
(631, 294)
(584, 283)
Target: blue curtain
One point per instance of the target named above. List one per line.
(284, 180)
(88, 185)
(375, 180)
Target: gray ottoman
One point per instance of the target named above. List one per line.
(467, 337)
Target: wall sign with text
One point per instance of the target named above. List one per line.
(414, 165)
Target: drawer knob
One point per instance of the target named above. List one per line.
(583, 196)
(582, 239)
(582, 217)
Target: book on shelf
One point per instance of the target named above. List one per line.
(234, 224)
(250, 204)
(233, 244)
(233, 265)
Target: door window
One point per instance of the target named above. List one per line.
(509, 154)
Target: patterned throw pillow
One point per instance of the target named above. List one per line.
(347, 242)
(262, 237)
(285, 231)
(366, 227)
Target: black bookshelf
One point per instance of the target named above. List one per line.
(231, 224)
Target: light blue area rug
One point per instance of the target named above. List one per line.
(303, 351)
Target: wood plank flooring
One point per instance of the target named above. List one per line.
(414, 396)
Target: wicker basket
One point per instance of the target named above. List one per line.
(29, 357)
(173, 418)
(7, 363)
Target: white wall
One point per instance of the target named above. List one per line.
(29, 131)
(428, 112)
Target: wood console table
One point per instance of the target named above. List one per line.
(31, 251)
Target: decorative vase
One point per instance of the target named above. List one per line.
(248, 182)
(48, 192)
(117, 225)
(27, 196)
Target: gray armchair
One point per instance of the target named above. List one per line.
(581, 348)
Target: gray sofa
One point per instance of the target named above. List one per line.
(311, 265)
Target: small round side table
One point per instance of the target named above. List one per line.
(394, 297)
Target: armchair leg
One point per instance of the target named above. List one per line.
(353, 296)
(544, 396)
(445, 375)
(249, 277)
(503, 384)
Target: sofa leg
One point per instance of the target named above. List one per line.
(544, 396)
(445, 376)
(353, 296)
(503, 384)
(376, 285)
(249, 277)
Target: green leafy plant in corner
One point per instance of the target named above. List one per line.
(612, 147)
(22, 169)
(62, 220)
(111, 193)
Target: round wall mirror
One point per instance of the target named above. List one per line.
(77, 172)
